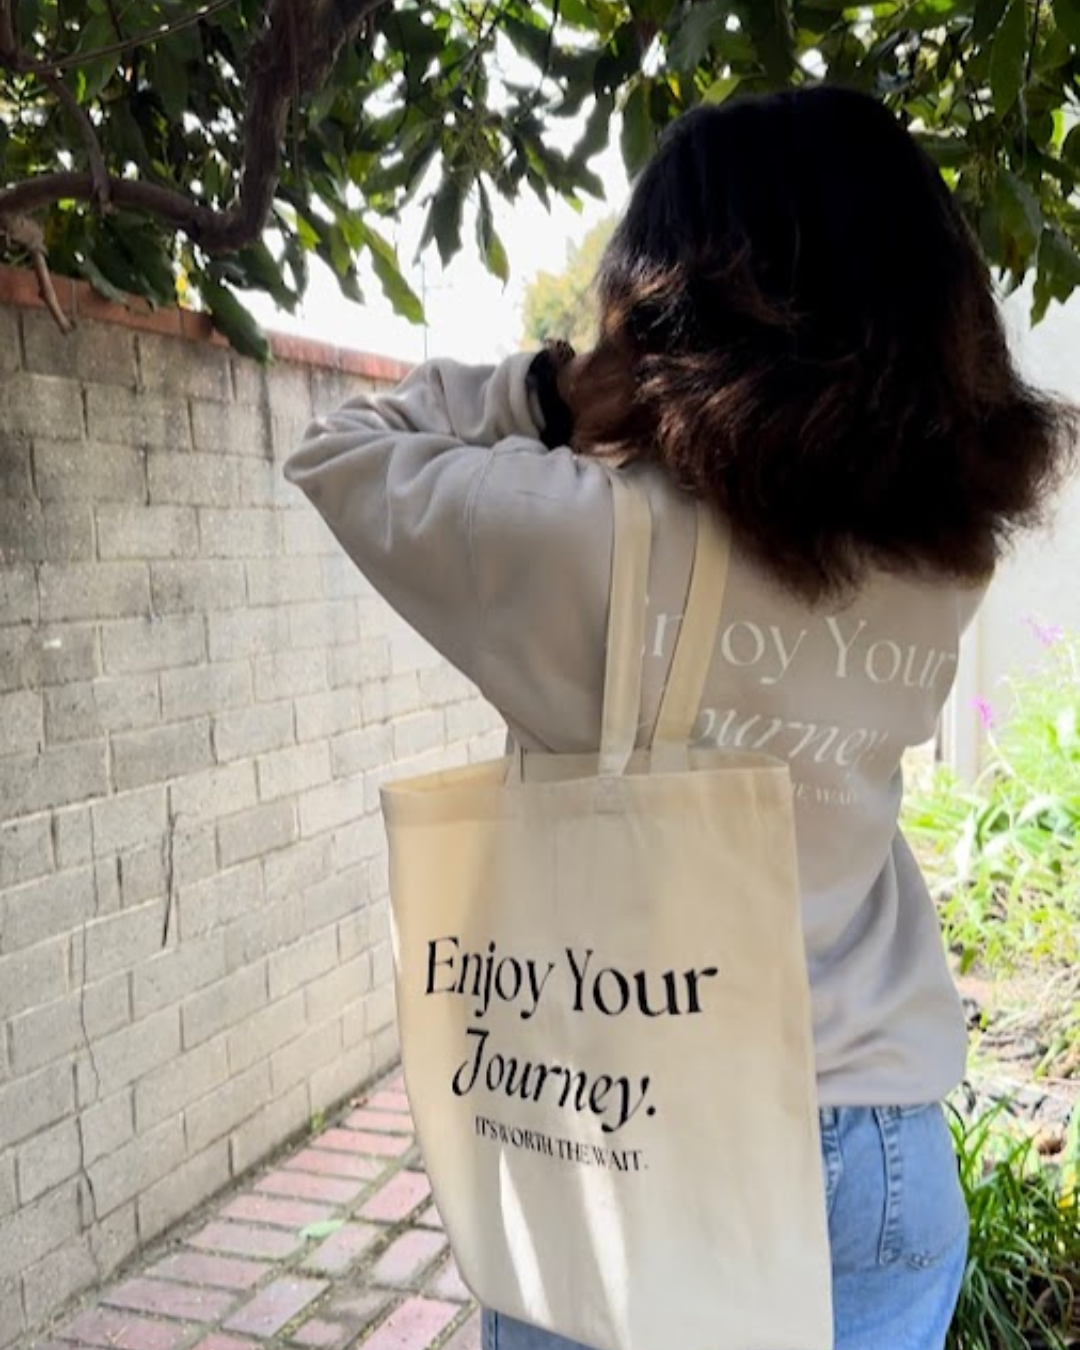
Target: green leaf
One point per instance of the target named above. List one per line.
(1067, 18)
(1057, 275)
(988, 14)
(324, 1228)
(169, 79)
(721, 90)
(693, 37)
(384, 261)
(443, 223)
(638, 139)
(1019, 210)
(491, 247)
(1009, 57)
(100, 282)
(233, 320)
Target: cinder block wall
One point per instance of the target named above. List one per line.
(199, 698)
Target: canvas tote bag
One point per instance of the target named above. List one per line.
(604, 1015)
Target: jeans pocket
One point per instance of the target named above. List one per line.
(925, 1213)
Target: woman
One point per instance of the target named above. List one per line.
(795, 326)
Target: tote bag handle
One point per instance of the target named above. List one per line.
(626, 634)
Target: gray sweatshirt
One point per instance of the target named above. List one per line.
(498, 551)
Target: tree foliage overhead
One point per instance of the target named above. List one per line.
(224, 144)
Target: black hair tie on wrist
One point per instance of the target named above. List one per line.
(543, 378)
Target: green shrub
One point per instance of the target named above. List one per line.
(1021, 1288)
(1003, 853)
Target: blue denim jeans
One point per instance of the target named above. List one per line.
(897, 1226)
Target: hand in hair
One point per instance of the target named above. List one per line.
(598, 388)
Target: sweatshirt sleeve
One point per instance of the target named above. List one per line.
(396, 477)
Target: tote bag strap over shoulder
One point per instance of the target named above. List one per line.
(626, 634)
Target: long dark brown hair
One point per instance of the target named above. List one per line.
(814, 345)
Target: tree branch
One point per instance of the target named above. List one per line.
(279, 75)
(99, 173)
(28, 234)
(9, 47)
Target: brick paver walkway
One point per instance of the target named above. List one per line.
(336, 1247)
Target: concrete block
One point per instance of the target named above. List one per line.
(380, 1009)
(130, 820)
(296, 769)
(212, 793)
(142, 418)
(359, 840)
(294, 1062)
(58, 1277)
(196, 690)
(146, 532)
(196, 1179)
(263, 1031)
(11, 357)
(169, 976)
(9, 1198)
(107, 886)
(396, 696)
(121, 942)
(26, 849)
(167, 1090)
(210, 904)
(87, 709)
(193, 852)
(224, 1005)
(281, 581)
(335, 897)
(128, 1054)
(49, 907)
(341, 1077)
(53, 1031)
(256, 833)
(153, 644)
(93, 590)
(466, 720)
(409, 651)
(230, 428)
(114, 1238)
(323, 623)
(44, 405)
(269, 1128)
(161, 754)
(286, 874)
(362, 751)
(18, 594)
(328, 713)
(302, 962)
(192, 480)
(47, 1159)
(234, 634)
(133, 1168)
(304, 534)
(72, 836)
(21, 721)
(16, 467)
(326, 997)
(107, 1125)
(178, 369)
(92, 471)
(197, 586)
(94, 352)
(243, 532)
(287, 674)
(442, 684)
(212, 1118)
(59, 532)
(358, 662)
(282, 388)
(30, 657)
(39, 1228)
(356, 934)
(328, 807)
(267, 930)
(54, 777)
(34, 1102)
(142, 876)
(253, 731)
(342, 579)
(418, 734)
(262, 483)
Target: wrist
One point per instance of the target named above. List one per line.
(543, 379)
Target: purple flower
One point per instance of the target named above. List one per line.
(986, 712)
(1048, 634)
